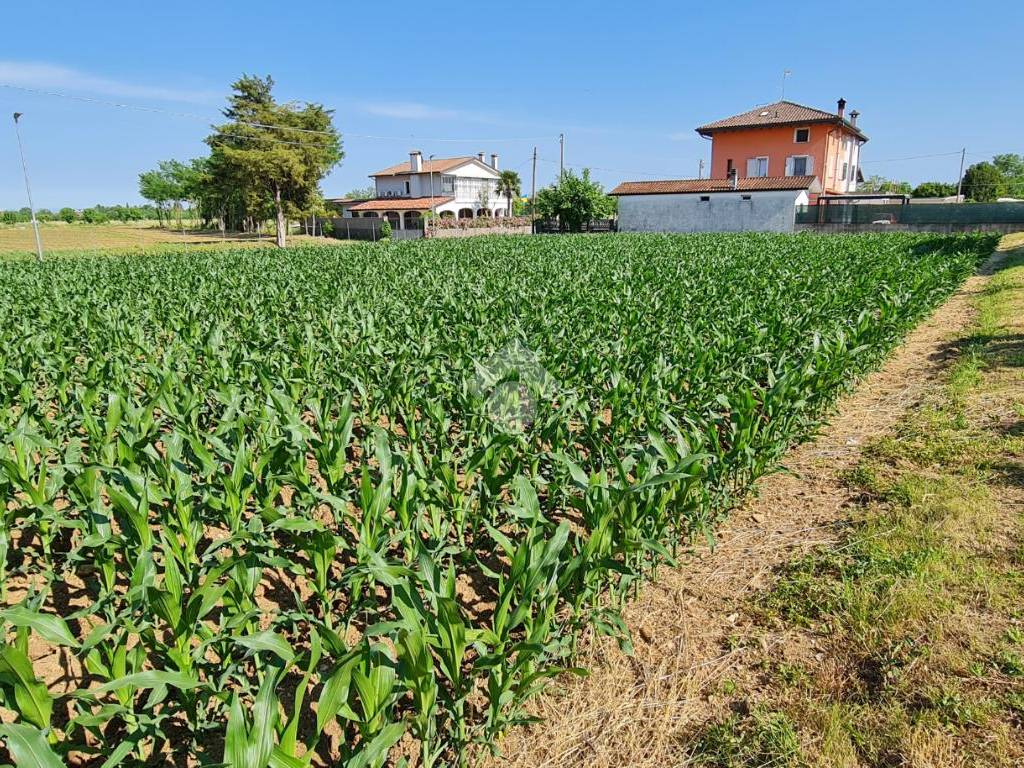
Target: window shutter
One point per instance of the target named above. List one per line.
(789, 166)
(751, 167)
(810, 165)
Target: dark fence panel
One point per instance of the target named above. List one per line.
(554, 227)
(956, 214)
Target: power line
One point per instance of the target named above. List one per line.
(153, 110)
(268, 139)
(208, 119)
(661, 175)
(914, 157)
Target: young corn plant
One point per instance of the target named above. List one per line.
(278, 515)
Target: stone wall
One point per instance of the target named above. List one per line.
(474, 231)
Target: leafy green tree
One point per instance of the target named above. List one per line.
(574, 201)
(192, 181)
(509, 185)
(69, 215)
(275, 153)
(983, 183)
(362, 193)
(160, 187)
(1012, 168)
(934, 189)
(95, 215)
(880, 185)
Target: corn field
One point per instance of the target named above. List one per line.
(356, 506)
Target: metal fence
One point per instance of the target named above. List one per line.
(369, 229)
(956, 214)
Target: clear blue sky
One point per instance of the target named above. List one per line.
(625, 82)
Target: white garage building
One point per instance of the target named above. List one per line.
(760, 204)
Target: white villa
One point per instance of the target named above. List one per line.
(463, 187)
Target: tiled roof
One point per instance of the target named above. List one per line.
(779, 113)
(401, 204)
(437, 165)
(677, 186)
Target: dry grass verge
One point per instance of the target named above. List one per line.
(59, 238)
(864, 609)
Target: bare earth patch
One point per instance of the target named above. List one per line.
(696, 642)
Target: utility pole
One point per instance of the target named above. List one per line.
(533, 194)
(561, 156)
(28, 189)
(785, 73)
(960, 179)
(433, 208)
(700, 169)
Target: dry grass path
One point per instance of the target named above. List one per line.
(697, 642)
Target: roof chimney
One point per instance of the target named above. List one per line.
(842, 108)
(494, 160)
(480, 156)
(416, 161)
(853, 118)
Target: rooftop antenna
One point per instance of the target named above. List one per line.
(785, 73)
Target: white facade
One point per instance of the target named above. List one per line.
(847, 163)
(732, 211)
(470, 182)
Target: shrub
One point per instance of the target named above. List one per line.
(94, 216)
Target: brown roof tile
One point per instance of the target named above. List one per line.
(401, 204)
(779, 113)
(677, 186)
(437, 165)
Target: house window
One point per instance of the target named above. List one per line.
(729, 167)
(745, 197)
(705, 198)
(800, 165)
(407, 187)
(846, 168)
(758, 166)
(803, 135)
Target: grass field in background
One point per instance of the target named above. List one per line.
(59, 237)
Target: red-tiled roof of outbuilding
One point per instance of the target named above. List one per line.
(685, 186)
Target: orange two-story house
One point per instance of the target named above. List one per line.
(788, 139)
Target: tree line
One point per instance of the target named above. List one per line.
(96, 214)
(264, 163)
(983, 182)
